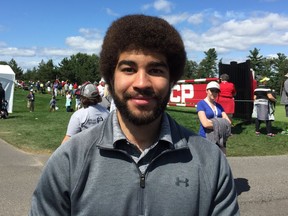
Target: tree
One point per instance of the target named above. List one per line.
(190, 70)
(31, 75)
(80, 68)
(47, 71)
(17, 70)
(281, 68)
(208, 66)
(256, 62)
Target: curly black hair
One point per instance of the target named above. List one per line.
(142, 32)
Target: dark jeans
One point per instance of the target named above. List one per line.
(268, 125)
(286, 109)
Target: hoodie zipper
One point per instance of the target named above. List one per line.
(142, 176)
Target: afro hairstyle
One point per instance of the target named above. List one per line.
(142, 33)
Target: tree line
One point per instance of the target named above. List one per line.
(82, 67)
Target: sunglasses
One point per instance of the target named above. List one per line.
(214, 90)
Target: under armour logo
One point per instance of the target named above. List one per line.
(99, 119)
(178, 182)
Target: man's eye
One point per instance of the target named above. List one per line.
(156, 71)
(128, 69)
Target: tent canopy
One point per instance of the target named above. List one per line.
(7, 78)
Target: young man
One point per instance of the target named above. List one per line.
(139, 161)
(90, 114)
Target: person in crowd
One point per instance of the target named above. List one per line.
(2, 96)
(31, 100)
(66, 87)
(139, 161)
(107, 98)
(215, 125)
(90, 114)
(68, 102)
(284, 95)
(101, 87)
(48, 86)
(263, 99)
(77, 98)
(42, 88)
(55, 88)
(226, 95)
(52, 104)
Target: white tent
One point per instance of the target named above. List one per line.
(7, 78)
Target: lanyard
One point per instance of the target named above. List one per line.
(215, 111)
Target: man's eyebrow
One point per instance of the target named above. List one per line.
(151, 64)
(126, 62)
(158, 64)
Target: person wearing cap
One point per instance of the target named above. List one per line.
(263, 107)
(209, 113)
(139, 161)
(31, 100)
(101, 87)
(284, 95)
(90, 114)
(226, 95)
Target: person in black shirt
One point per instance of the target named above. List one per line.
(2, 96)
(263, 100)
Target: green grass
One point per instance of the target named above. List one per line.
(38, 131)
(43, 131)
(243, 142)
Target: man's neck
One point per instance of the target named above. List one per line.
(143, 136)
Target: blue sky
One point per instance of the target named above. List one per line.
(33, 30)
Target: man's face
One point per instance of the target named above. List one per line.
(141, 86)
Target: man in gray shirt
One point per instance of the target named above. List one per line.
(90, 114)
(139, 161)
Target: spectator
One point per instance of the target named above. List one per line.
(2, 96)
(68, 101)
(77, 98)
(91, 114)
(101, 87)
(263, 99)
(209, 113)
(139, 161)
(284, 95)
(52, 104)
(31, 100)
(226, 95)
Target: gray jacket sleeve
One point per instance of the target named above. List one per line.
(51, 196)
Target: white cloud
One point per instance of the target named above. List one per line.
(88, 32)
(81, 43)
(111, 12)
(13, 51)
(196, 18)
(163, 5)
(159, 5)
(176, 18)
(236, 34)
(56, 52)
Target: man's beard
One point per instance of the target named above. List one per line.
(146, 116)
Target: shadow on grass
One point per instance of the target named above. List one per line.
(239, 127)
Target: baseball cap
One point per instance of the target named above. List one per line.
(264, 79)
(89, 91)
(213, 85)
